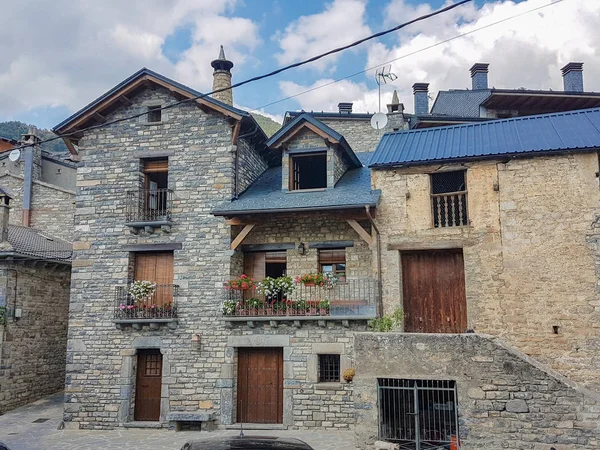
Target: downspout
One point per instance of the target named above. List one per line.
(28, 183)
(379, 277)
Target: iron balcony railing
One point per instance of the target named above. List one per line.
(162, 304)
(358, 298)
(149, 205)
(450, 210)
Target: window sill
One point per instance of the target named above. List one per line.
(329, 385)
(296, 191)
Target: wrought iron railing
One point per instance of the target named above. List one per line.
(162, 304)
(450, 210)
(348, 298)
(149, 205)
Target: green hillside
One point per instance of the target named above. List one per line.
(14, 130)
(269, 126)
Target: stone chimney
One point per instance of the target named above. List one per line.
(4, 216)
(395, 106)
(32, 155)
(479, 76)
(222, 78)
(421, 92)
(345, 107)
(573, 77)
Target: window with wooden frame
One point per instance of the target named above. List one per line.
(449, 199)
(154, 114)
(329, 368)
(158, 268)
(259, 265)
(333, 261)
(155, 195)
(308, 171)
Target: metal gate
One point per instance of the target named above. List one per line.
(418, 414)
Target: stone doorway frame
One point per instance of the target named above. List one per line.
(128, 376)
(228, 380)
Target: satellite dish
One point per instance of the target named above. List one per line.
(14, 155)
(379, 121)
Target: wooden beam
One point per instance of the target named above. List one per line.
(100, 117)
(125, 100)
(361, 231)
(240, 237)
(235, 221)
(70, 146)
(236, 132)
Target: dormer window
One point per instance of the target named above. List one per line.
(308, 171)
(154, 114)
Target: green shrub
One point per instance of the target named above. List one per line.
(389, 322)
(2, 315)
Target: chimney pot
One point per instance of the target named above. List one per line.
(4, 214)
(479, 76)
(421, 92)
(573, 77)
(345, 107)
(222, 78)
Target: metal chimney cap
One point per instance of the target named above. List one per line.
(572, 67)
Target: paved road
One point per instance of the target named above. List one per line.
(19, 431)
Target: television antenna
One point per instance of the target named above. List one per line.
(384, 75)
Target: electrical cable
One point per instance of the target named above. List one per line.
(259, 77)
(404, 56)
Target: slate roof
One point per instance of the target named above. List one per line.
(557, 132)
(353, 190)
(144, 71)
(306, 117)
(34, 243)
(459, 103)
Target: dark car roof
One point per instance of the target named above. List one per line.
(247, 442)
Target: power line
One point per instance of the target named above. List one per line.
(259, 77)
(405, 56)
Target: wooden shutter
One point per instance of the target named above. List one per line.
(276, 257)
(254, 265)
(157, 267)
(156, 165)
(332, 256)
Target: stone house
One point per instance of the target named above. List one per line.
(34, 304)
(193, 196)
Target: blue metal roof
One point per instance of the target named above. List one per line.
(307, 117)
(142, 72)
(353, 190)
(564, 131)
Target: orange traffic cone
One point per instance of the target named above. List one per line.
(453, 443)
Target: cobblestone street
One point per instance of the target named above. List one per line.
(20, 431)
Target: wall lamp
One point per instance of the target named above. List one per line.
(301, 248)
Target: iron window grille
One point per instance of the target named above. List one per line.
(449, 199)
(418, 414)
(154, 114)
(329, 368)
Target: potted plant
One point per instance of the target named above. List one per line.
(312, 307)
(285, 285)
(255, 306)
(310, 279)
(229, 307)
(280, 308)
(275, 289)
(324, 306)
(301, 306)
(330, 280)
(142, 290)
(241, 283)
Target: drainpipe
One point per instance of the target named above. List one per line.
(379, 277)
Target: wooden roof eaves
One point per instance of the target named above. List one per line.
(134, 85)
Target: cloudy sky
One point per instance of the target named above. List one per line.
(59, 55)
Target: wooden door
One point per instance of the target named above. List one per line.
(260, 385)
(156, 267)
(434, 292)
(148, 385)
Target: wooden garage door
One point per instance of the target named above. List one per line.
(260, 385)
(434, 292)
(148, 385)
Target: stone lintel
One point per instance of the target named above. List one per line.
(258, 341)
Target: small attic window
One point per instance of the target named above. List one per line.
(308, 171)
(154, 114)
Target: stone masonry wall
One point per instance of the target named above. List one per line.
(32, 348)
(336, 167)
(99, 385)
(528, 266)
(250, 165)
(505, 399)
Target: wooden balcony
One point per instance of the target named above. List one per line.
(348, 300)
(449, 209)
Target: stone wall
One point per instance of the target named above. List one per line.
(32, 348)
(336, 167)
(100, 357)
(505, 399)
(309, 229)
(528, 266)
(250, 165)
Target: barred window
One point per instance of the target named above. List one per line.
(154, 114)
(329, 368)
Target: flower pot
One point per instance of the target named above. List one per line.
(310, 284)
(269, 311)
(312, 311)
(324, 311)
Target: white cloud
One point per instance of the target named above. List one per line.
(524, 52)
(342, 22)
(66, 53)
